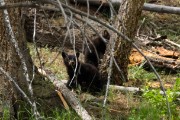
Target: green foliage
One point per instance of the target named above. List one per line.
(171, 34)
(24, 111)
(178, 74)
(154, 105)
(63, 115)
(6, 113)
(177, 85)
(138, 73)
(158, 101)
(57, 114)
(145, 112)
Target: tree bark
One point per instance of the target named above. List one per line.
(7, 62)
(44, 92)
(129, 14)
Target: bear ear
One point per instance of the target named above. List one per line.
(106, 34)
(77, 54)
(64, 54)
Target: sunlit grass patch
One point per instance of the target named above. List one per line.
(138, 73)
(49, 59)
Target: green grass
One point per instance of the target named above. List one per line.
(25, 112)
(56, 115)
(51, 59)
(6, 113)
(153, 105)
(163, 24)
(138, 73)
(154, 108)
(145, 112)
(63, 115)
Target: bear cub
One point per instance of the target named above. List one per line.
(83, 74)
(97, 49)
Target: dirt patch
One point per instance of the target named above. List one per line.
(118, 106)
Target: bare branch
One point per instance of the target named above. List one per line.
(68, 95)
(112, 44)
(161, 8)
(16, 85)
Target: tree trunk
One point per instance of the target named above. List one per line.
(44, 92)
(129, 13)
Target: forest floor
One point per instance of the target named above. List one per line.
(122, 105)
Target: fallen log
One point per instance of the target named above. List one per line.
(68, 95)
(161, 8)
(63, 100)
(162, 62)
(134, 89)
(130, 89)
(159, 57)
(125, 89)
(162, 40)
(146, 7)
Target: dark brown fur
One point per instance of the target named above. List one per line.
(97, 49)
(86, 75)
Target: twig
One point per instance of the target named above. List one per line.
(63, 100)
(98, 8)
(62, 10)
(119, 69)
(140, 26)
(172, 43)
(112, 44)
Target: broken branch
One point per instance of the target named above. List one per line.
(68, 95)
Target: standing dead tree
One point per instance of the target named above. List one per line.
(118, 57)
(126, 22)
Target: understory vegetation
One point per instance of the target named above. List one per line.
(150, 105)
